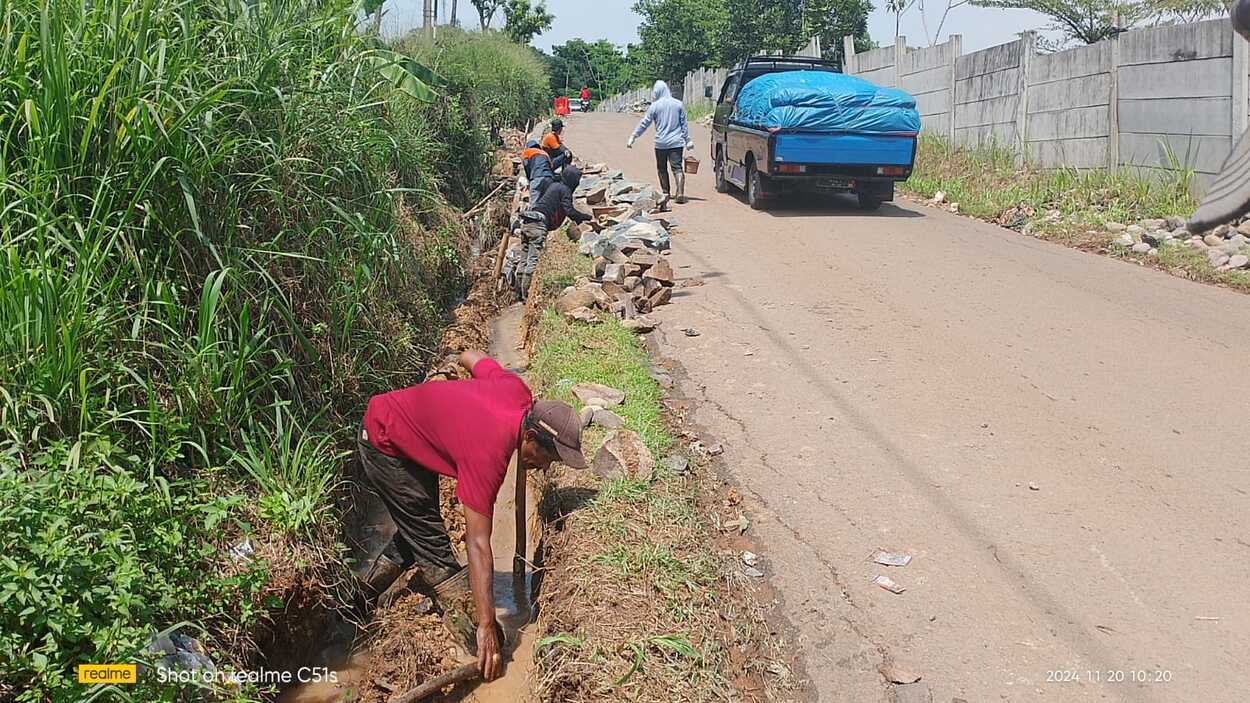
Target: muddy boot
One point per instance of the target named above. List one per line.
(681, 189)
(454, 599)
(381, 574)
(523, 286)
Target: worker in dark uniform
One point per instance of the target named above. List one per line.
(469, 431)
(538, 170)
(553, 144)
(547, 215)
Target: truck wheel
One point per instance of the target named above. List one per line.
(869, 201)
(718, 170)
(755, 186)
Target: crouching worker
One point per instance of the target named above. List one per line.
(539, 171)
(553, 144)
(547, 215)
(466, 430)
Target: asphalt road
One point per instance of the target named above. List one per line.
(1057, 438)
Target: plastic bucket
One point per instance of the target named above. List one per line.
(690, 165)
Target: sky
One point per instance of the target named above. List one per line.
(615, 21)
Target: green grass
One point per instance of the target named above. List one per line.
(988, 181)
(639, 619)
(222, 227)
(697, 113)
(1065, 205)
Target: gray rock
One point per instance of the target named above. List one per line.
(1244, 227)
(1220, 230)
(1141, 248)
(1238, 239)
(1217, 258)
(1124, 240)
(608, 419)
(598, 394)
(1153, 224)
(641, 323)
(614, 273)
(1213, 240)
(573, 298)
(1115, 227)
(1135, 231)
(623, 454)
(676, 463)
(583, 315)
(1238, 261)
(587, 415)
(661, 272)
(1175, 222)
(1180, 233)
(1156, 237)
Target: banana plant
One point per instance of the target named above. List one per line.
(406, 74)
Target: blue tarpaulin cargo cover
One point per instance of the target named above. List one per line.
(820, 101)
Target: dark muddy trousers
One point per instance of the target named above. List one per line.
(664, 160)
(410, 494)
(533, 240)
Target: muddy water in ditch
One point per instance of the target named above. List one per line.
(514, 592)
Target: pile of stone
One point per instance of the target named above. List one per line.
(630, 244)
(1225, 246)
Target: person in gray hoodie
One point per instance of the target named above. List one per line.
(672, 136)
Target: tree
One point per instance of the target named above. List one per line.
(678, 36)
(486, 11)
(599, 66)
(523, 21)
(833, 19)
(946, 11)
(898, 8)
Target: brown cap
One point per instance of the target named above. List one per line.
(561, 422)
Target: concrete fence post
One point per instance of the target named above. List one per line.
(848, 55)
(957, 49)
(900, 52)
(1113, 106)
(1241, 85)
(1027, 40)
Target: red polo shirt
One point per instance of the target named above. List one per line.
(464, 429)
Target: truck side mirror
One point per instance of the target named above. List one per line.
(707, 91)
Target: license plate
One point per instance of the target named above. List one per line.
(837, 183)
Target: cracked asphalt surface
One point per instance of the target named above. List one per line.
(1057, 438)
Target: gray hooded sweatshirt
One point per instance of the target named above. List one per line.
(669, 116)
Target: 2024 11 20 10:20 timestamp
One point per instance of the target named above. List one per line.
(1109, 676)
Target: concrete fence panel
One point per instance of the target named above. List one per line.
(1069, 107)
(1175, 103)
(988, 91)
(1149, 98)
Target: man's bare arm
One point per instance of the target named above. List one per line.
(469, 358)
(481, 581)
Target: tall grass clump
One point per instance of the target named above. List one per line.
(222, 228)
(493, 84)
(989, 180)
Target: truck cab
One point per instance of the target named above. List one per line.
(768, 162)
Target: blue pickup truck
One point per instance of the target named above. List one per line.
(796, 124)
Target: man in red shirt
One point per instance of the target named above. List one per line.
(467, 430)
(585, 96)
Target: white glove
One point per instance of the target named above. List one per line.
(629, 144)
(690, 145)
